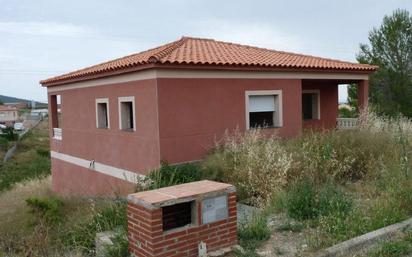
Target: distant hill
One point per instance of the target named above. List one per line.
(10, 99)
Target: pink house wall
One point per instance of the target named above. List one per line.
(177, 120)
(194, 113)
(136, 151)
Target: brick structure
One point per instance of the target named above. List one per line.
(173, 221)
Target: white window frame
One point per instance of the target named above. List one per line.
(317, 92)
(103, 101)
(277, 93)
(122, 100)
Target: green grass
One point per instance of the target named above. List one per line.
(253, 234)
(397, 248)
(30, 161)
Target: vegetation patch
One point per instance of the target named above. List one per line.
(396, 248)
(340, 184)
(31, 160)
(168, 175)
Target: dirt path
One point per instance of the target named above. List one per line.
(287, 240)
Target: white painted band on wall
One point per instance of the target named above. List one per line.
(122, 174)
(153, 74)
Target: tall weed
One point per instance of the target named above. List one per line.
(256, 165)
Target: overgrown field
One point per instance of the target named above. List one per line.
(35, 222)
(340, 184)
(31, 159)
(333, 185)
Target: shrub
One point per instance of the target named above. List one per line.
(47, 214)
(258, 166)
(400, 247)
(305, 202)
(301, 201)
(120, 245)
(172, 175)
(9, 134)
(82, 236)
(46, 209)
(332, 199)
(43, 152)
(4, 144)
(253, 233)
(340, 226)
(342, 155)
(13, 171)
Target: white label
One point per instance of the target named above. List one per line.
(214, 209)
(202, 249)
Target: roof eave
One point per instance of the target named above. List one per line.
(45, 83)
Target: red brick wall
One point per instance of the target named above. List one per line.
(146, 236)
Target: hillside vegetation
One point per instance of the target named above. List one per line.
(31, 159)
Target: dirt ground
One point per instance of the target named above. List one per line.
(288, 239)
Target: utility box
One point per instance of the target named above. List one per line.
(183, 220)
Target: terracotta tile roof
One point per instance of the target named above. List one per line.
(7, 108)
(193, 51)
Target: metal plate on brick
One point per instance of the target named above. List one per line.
(214, 209)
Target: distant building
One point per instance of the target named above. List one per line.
(8, 114)
(40, 112)
(18, 105)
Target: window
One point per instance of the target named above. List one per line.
(102, 113)
(178, 215)
(56, 116)
(127, 113)
(310, 105)
(263, 109)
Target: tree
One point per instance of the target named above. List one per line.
(390, 47)
(1, 102)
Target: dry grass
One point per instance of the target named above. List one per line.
(371, 164)
(258, 166)
(18, 237)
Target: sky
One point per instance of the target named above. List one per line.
(43, 38)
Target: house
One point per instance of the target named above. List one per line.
(39, 112)
(121, 118)
(8, 114)
(18, 105)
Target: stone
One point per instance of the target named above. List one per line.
(103, 240)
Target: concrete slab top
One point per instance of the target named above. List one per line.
(183, 191)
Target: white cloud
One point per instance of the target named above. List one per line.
(45, 29)
(250, 33)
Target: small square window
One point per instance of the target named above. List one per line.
(127, 113)
(102, 113)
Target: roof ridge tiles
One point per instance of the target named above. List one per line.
(167, 50)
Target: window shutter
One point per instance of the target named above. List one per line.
(261, 103)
